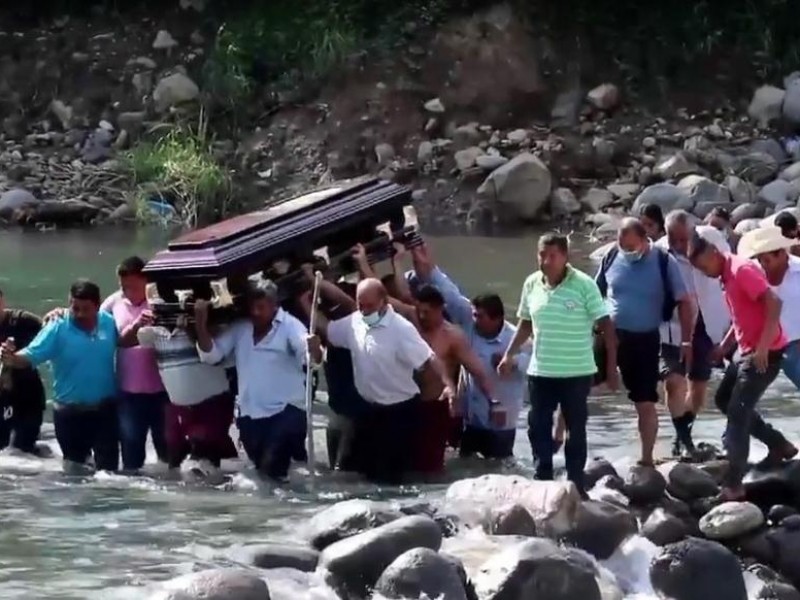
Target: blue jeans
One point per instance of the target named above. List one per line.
(81, 431)
(546, 395)
(138, 415)
(272, 442)
(791, 363)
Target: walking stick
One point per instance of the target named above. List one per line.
(309, 380)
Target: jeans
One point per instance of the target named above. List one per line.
(81, 431)
(547, 394)
(791, 363)
(740, 390)
(138, 415)
(272, 442)
(489, 443)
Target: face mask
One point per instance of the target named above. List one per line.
(372, 318)
(632, 255)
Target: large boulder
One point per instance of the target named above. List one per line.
(421, 571)
(511, 519)
(741, 191)
(701, 190)
(348, 518)
(663, 528)
(520, 187)
(600, 528)
(354, 564)
(16, 199)
(785, 542)
(173, 90)
(791, 103)
(696, 569)
(778, 193)
(674, 166)
(687, 482)
(731, 520)
(215, 584)
(666, 196)
(536, 568)
(552, 504)
(281, 556)
(766, 105)
(644, 484)
(757, 167)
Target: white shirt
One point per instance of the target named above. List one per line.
(270, 372)
(187, 380)
(385, 356)
(789, 293)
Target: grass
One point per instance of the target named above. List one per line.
(179, 167)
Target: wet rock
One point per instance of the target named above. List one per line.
(730, 520)
(741, 191)
(663, 528)
(791, 173)
(425, 152)
(791, 103)
(449, 524)
(687, 482)
(511, 519)
(354, 564)
(779, 512)
(16, 199)
(490, 162)
(666, 195)
(384, 154)
(348, 518)
(757, 167)
(766, 487)
(702, 189)
(164, 41)
(674, 167)
(521, 186)
(563, 202)
(281, 556)
(215, 584)
(777, 193)
(596, 470)
(596, 199)
(466, 582)
(696, 569)
(785, 541)
(536, 568)
(755, 546)
(467, 158)
(605, 97)
(766, 105)
(173, 90)
(778, 591)
(62, 112)
(65, 213)
(608, 490)
(600, 528)
(421, 571)
(123, 213)
(552, 504)
(643, 485)
(434, 106)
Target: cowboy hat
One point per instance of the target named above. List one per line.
(763, 240)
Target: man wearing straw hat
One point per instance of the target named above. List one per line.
(755, 312)
(773, 249)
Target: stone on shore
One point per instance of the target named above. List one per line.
(552, 504)
(355, 564)
(663, 528)
(687, 482)
(563, 202)
(701, 189)
(766, 105)
(536, 568)
(596, 470)
(16, 199)
(421, 571)
(697, 569)
(215, 584)
(778, 193)
(348, 518)
(520, 188)
(467, 158)
(730, 520)
(643, 484)
(281, 556)
(511, 519)
(173, 90)
(666, 196)
(600, 528)
(785, 543)
(605, 97)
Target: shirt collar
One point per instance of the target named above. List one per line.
(569, 274)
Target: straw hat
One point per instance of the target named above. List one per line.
(763, 240)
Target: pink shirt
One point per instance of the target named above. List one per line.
(137, 369)
(745, 285)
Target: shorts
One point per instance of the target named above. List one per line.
(702, 346)
(202, 430)
(638, 360)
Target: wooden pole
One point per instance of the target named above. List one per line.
(309, 382)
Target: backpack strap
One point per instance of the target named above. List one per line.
(605, 264)
(669, 295)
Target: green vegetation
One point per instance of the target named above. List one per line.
(178, 167)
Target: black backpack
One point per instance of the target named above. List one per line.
(670, 303)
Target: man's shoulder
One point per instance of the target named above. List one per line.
(581, 279)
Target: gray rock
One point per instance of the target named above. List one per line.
(16, 199)
(536, 568)
(731, 520)
(467, 158)
(348, 518)
(490, 162)
(687, 482)
(791, 103)
(384, 154)
(281, 556)
(600, 528)
(702, 209)
(567, 107)
(791, 173)
(173, 90)
(421, 571)
(674, 166)
(702, 189)
(769, 146)
(511, 519)
(521, 186)
(596, 199)
(164, 41)
(466, 582)
(643, 485)
(624, 192)
(467, 135)
(425, 152)
(785, 541)
(62, 112)
(779, 512)
(741, 191)
(143, 82)
(757, 167)
(518, 136)
(666, 195)
(354, 564)
(778, 591)
(607, 489)
(766, 105)
(747, 212)
(697, 144)
(563, 202)
(663, 528)
(434, 106)
(777, 193)
(649, 142)
(132, 122)
(97, 146)
(605, 97)
(215, 584)
(596, 470)
(123, 213)
(144, 61)
(696, 569)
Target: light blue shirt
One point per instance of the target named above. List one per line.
(82, 361)
(510, 390)
(635, 291)
(271, 372)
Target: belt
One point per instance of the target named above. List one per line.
(83, 407)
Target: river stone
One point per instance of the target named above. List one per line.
(778, 591)
(791, 103)
(552, 504)
(563, 202)
(536, 568)
(421, 571)
(608, 490)
(173, 90)
(164, 41)
(663, 528)
(697, 569)
(666, 196)
(522, 186)
(596, 470)
(490, 162)
(348, 518)
(777, 193)
(741, 191)
(425, 152)
(779, 512)
(16, 199)
(674, 166)
(354, 564)
(785, 541)
(215, 584)
(281, 556)
(463, 577)
(779, 485)
(624, 192)
(600, 528)
(467, 158)
(511, 519)
(605, 97)
(730, 520)
(687, 482)
(702, 189)
(766, 105)
(596, 199)
(643, 484)
(757, 167)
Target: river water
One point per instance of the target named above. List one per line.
(113, 538)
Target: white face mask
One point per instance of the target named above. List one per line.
(373, 318)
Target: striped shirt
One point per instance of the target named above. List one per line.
(187, 380)
(563, 318)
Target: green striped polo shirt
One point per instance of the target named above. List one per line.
(563, 318)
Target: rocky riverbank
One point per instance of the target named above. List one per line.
(466, 114)
(533, 539)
